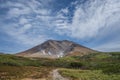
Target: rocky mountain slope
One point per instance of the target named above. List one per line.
(56, 49)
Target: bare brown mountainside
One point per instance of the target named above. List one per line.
(56, 49)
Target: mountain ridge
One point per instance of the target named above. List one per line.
(56, 49)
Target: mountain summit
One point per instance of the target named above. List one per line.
(56, 49)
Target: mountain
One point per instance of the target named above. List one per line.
(1, 53)
(56, 49)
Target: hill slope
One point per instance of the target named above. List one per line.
(55, 49)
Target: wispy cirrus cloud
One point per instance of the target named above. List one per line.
(34, 21)
(94, 20)
(25, 26)
(93, 16)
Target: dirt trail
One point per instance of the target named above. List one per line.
(32, 79)
(56, 75)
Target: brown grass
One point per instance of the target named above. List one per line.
(17, 73)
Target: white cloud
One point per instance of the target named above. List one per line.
(92, 17)
(111, 46)
(88, 22)
(25, 26)
(24, 35)
(95, 19)
(16, 12)
(74, 3)
(64, 11)
(23, 21)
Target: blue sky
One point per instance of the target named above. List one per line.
(27, 23)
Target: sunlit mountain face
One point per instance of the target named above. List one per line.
(27, 23)
(56, 49)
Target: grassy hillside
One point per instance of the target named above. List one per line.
(107, 62)
(16, 68)
(12, 60)
(77, 74)
(97, 66)
(18, 73)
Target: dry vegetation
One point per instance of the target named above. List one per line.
(17, 73)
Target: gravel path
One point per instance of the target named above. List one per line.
(57, 76)
(32, 79)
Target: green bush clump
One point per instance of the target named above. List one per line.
(78, 74)
(11, 60)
